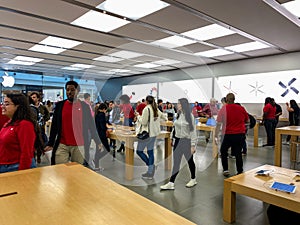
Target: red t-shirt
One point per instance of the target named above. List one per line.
(196, 110)
(17, 144)
(72, 124)
(269, 111)
(233, 117)
(127, 110)
(3, 120)
(140, 108)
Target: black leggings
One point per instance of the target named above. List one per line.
(100, 154)
(182, 146)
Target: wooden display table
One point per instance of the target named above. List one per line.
(70, 194)
(127, 134)
(256, 129)
(294, 131)
(257, 187)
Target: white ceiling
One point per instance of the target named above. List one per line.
(26, 23)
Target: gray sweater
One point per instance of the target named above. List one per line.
(182, 129)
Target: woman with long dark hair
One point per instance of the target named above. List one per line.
(20, 136)
(185, 142)
(150, 121)
(294, 113)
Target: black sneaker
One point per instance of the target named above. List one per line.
(148, 176)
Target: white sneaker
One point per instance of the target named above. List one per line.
(168, 186)
(191, 183)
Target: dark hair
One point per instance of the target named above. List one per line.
(102, 106)
(186, 110)
(125, 99)
(74, 83)
(37, 94)
(86, 95)
(294, 104)
(151, 101)
(268, 100)
(24, 112)
(159, 101)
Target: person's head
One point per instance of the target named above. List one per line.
(150, 100)
(111, 104)
(48, 103)
(183, 106)
(87, 97)
(196, 103)
(293, 103)
(268, 100)
(230, 98)
(102, 107)
(169, 105)
(213, 101)
(159, 101)
(72, 89)
(124, 99)
(143, 100)
(223, 100)
(16, 107)
(35, 96)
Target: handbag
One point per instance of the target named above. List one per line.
(144, 134)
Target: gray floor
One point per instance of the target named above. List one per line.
(201, 204)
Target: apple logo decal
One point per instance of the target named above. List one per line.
(8, 81)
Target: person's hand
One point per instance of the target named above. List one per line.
(100, 146)
(287, 104)
(48, 148)
(193, 149)
(216, 140)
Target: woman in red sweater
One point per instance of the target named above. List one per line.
(18, 137)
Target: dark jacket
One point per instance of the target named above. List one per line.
(100, 120)
(56, 127)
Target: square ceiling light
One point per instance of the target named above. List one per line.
(126, 54)
(293, 7)
(214, 53)
(173, 42)
(109, 59)
(166, 62)
(71, 68)
(54, 45)
(133, 9)
(208, 32)
(24, 60)
(250, 46)
(83, 66)
(146, 65)
(99, 21)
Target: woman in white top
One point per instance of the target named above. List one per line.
(185, 141)
(150, 121)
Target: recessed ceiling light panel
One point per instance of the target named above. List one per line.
(133, 9)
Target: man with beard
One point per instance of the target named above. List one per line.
(69, 130)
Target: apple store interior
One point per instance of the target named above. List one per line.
(169, 49)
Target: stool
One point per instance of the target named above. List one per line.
(294, 156)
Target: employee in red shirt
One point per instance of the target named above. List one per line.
(140, 107)
(232, 117)
(269, 120)
(71, 123)
(18, 137)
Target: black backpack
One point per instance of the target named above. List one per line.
(252, 121)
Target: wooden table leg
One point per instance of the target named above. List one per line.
(278, 148)
(168, 154)
(293, 151)
(255, 135)
(129, 158)
(229, 202)
(214, 145)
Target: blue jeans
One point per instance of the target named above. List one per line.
(149, 160)
(14, 167)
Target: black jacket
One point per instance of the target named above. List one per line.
(88, 124)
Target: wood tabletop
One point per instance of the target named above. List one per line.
(70, 194)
